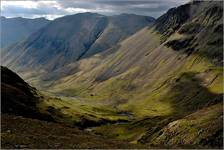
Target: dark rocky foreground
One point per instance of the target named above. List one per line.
(19, 132)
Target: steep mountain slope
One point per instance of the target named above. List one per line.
(17, 95)
(168, 71)
(16, 29)
(119, 27)
(71, 38)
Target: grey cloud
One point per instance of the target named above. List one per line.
(146, 7)
(153, 8)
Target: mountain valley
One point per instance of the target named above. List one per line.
(123, 81)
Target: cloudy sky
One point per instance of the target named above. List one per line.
(51, 9)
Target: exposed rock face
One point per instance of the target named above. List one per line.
(168, 23)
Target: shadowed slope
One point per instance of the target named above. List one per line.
(18, 98)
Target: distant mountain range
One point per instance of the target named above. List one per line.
(16, 29)
(72, 38)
